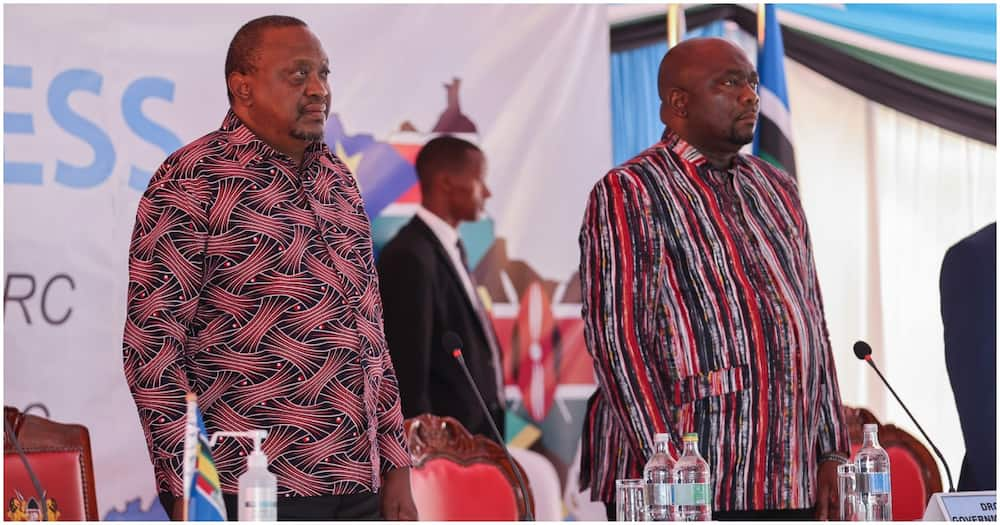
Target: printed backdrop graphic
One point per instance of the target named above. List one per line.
(90, 112)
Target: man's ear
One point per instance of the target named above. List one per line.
(240, 87)
(677, 102)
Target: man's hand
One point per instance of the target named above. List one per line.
(177, 513)
(397, 501)
(827, 492)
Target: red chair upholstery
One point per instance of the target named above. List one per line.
(60, 457)
(460, 477)
(914, 473)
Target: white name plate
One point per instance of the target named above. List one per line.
(962, 506)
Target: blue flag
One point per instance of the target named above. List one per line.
(202, 491)
(773, 139)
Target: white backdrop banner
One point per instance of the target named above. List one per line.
(96, 96)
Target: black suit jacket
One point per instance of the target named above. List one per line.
(423, 297)
(969, 313)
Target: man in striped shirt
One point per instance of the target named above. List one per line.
(702, 307)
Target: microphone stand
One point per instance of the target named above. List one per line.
(951, 486)
(496, 432)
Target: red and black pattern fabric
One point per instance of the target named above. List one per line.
(703, 313)
(252, 283)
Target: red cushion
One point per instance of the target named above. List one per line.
(445, 491)
(61, 478)
(909, 493)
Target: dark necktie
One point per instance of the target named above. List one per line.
(486, 323)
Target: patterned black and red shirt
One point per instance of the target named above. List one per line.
(703, 313)
(252, 284)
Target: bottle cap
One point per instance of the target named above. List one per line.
(871, 427)
(257, 458)
(691, 437)
(660, 437)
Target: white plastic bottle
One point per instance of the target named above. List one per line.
(692, 484)
(258, 498)
(659, 478)
(874, 486)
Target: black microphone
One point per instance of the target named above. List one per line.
(453, 343)
(864, 352)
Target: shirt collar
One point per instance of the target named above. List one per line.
(672, 141)
(442, 230)
(238, 134)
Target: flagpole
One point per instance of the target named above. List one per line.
(761, 10)
(190, 427)
(673, 25)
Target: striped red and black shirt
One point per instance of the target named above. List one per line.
(703, 314)
(252, 284)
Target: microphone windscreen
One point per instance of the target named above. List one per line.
(862, 350)
(451, 341)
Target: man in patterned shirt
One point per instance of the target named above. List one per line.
(252, 284)
(702, 309)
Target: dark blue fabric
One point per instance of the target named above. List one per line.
(969, 313)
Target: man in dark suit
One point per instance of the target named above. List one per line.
(969, 313)
(428, 290)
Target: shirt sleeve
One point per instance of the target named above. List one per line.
(833, 441)
(833, 433)
(165, 274)
(391, 436)
(392, 445)
(618, 270)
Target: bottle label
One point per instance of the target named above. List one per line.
(258, 505)
(873, 483)
(691, 494)
(658, 494)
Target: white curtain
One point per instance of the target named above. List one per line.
(886, 195)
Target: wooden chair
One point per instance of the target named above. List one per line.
(914, 473)
(460, 477)
(59, 455)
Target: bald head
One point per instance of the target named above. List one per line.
(690, 57)
(708, 94)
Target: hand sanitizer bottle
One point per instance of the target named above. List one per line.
(258, 499)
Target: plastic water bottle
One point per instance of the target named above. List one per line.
(692, 484)
(258, 498)
(874, 485)
(658, 476)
